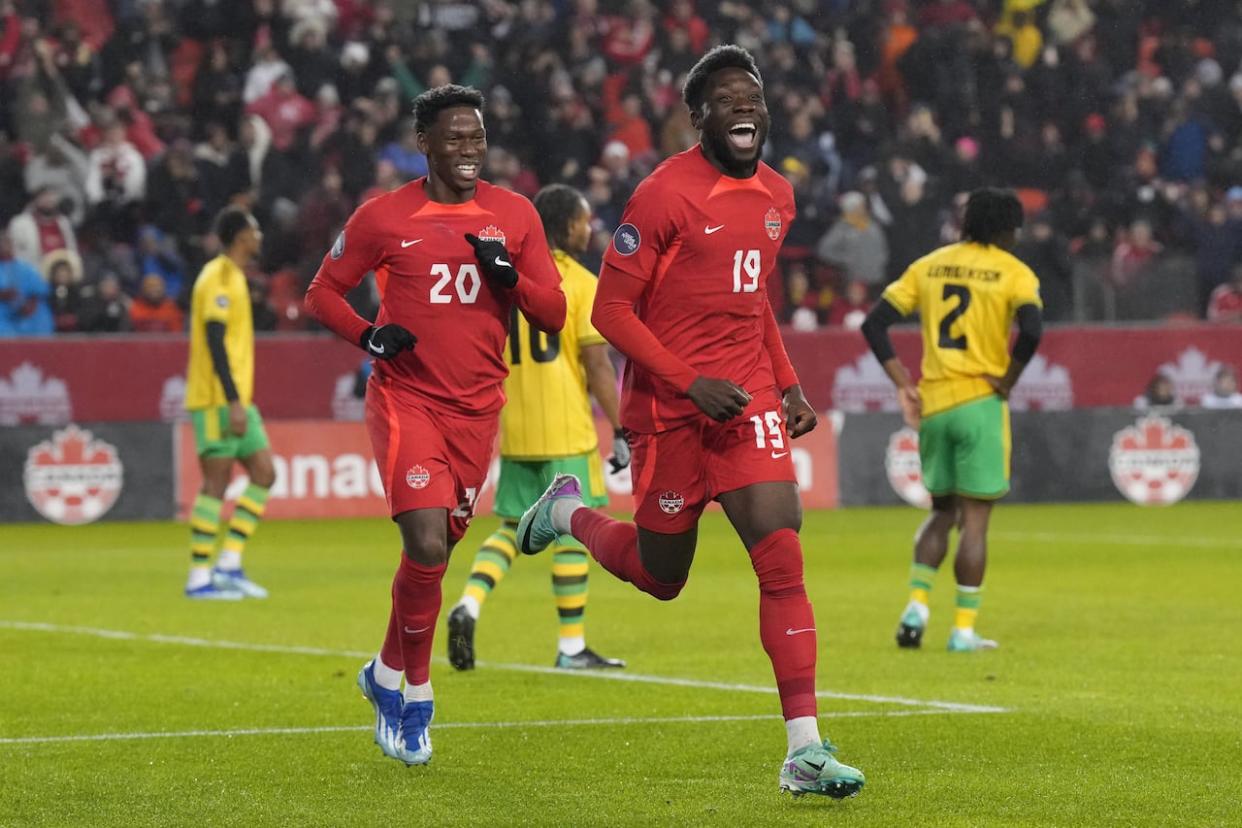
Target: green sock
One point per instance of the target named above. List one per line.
(491, 564)
(569, 585)
(204, 526)
(968, 601)
(921, 577)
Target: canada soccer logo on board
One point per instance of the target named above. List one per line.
(1153, 462)
(905, 470)
(73, 478)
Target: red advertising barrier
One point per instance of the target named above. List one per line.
(105, 379)
(326, 469)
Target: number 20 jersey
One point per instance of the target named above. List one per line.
(429, 282)
(966, 295)
(705, 243)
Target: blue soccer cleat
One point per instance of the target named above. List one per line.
(236, 579)
(535, 530)
(387, 705)
(210, 592)
(414, 740)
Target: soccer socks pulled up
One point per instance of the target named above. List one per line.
(968, 601)
(921, 578)
(786, 621)
(569, 586)
(412, 624)
(491, 564)
(204, 525)
(246, 514)
(615, 545)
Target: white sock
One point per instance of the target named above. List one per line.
(471, 605)
(562, 512)
(572, 646)
(802, 731)
(385, 676)
(229, 559)
(200, 575)
(922, 609)
(418, 692)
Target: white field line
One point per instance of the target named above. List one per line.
(668, 681)
(1169, 541)
(536, 723)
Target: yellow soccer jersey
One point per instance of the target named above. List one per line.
(548, 413)
(967, 295)
(220, 295)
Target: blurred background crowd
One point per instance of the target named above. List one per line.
(125, 125)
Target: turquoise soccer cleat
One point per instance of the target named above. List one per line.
(969, 641)
(910, 629)
(813, 769)
(235, 579)
(535, 530)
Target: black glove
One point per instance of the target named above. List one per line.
(494, 260)
(620, 452)
(386, 341)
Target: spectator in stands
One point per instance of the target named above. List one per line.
(63, 271)
(116, 181)
(849, 308)
(107, 311)
(855, 245)
(153, 311)
(1224, 393)
(157, 254)
(262, 313)
(403, 153)
(1225, 304)
(63, 167)
(1046, 252)
(1160, 395)
(23, 296)
(41, 229)
(1133, 252)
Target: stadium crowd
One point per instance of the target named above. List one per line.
(126, 125)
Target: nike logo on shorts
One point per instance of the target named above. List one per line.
(778, 455)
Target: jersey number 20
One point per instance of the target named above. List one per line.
(947, 339)
(467, 284)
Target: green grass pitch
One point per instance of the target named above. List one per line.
(1115, 699)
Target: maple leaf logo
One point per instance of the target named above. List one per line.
(1044, 386)
(1154, 462)
(345, 406)
(863, 386)
(172, 400)
(1191, 374)
(905, 469)
(73, 478)
(27, 397)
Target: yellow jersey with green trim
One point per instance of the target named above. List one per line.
(220, 295)
(966, 295)
(548, 413)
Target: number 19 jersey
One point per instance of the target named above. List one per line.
(705, 243)
(966, 295)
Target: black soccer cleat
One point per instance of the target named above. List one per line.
(908, 637)
(461, 639)
(588, 659)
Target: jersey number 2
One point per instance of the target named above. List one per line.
(746, 262)
(947, 339)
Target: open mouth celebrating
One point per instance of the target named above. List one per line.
(743, 135)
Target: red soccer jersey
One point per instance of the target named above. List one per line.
(430, 283)
(704, 243)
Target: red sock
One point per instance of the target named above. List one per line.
(390, 653)
(786, 622)
(416, 606)
(615, 545)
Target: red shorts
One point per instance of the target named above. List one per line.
(429, 460)
(677, 472)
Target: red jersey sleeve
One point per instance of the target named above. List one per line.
(782, 368)
(646, 232)
(538, 291)
(356, 252)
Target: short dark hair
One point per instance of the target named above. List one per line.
(721, 57)
(429, 105)
(991, 212)
(229, 222)
(557, 205)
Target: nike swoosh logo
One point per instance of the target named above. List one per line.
(776, 456)
(415, 632)
(377, 349)
(502, 263)
(818, 767)
(410, 243)
(792, 631)
(710, 230)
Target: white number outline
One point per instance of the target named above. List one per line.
(467, 284)
(750, 261)
(768, 426)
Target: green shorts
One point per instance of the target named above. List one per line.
(965, 450)
(213, 438)
(522, 481)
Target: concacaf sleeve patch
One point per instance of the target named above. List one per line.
(222, 301)
(338, 249)
(626, 240)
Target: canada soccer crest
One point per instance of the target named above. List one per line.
(904, 469)
(417, 477)
(492, 233)
(73, 478)
(1153, 462)
(772, 223)
(671, 502)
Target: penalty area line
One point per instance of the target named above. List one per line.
(535, 723)
(608, 675)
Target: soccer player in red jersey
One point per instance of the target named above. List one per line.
(451, 256)
(710, 398)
